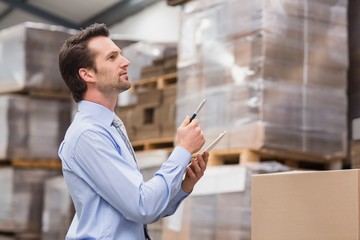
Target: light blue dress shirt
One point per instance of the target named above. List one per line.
(111, 199)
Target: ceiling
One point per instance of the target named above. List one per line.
(75, 14)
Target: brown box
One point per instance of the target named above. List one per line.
(145, 115)
(151, 97)
(169, 94)
(306, 205)
(147, 131)
(168, 129)
(355, 154)
(152, 71)
(166, 112)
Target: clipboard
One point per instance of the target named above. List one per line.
(212, 145)
(216, 141)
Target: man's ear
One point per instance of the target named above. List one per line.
(87, 75)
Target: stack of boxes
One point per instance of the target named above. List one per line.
(35, 111)
(273, 73)
(34, 126)
(152, 114)
(57, 212)
(29, 58)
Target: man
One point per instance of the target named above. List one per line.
(110, 197)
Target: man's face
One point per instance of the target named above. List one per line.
(111, 66)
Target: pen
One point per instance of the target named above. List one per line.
(198, 109)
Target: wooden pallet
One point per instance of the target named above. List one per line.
(40, 93)
(52, 164)
(7, 228)
(50, 94)
(5, 163)
(289, 158)
(159, 82)
(151, 144)
(28, 236)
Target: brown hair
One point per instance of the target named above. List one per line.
(75, 54)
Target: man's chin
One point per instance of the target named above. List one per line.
(124, 86)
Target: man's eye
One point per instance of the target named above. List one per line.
(112, 57)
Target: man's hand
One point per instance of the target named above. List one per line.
(190, 136)
(194, 171)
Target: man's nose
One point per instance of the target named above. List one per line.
(124, 62)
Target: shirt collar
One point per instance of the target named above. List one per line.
(97, 111)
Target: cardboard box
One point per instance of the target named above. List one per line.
(306, 205)
(57, 211)
(6, 199)
(149, 131)
(32, 128)
(28, 202)
(29, 57)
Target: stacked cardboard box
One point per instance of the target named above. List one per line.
(160, 66)
(33, 127)
(34, 205)
(28, 201)
(35, 111)
(141, 55)
(273, 72)
(6, 200)
(29, 56)
(57, 211)
(306, 205)
(153, 112)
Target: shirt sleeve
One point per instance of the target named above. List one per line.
(116, 180)
(174, 203)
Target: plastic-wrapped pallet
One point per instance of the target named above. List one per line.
(29, 56)
(32, 127)
(6, 200)
(28, 200)
(273, 72)
(58, 210)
